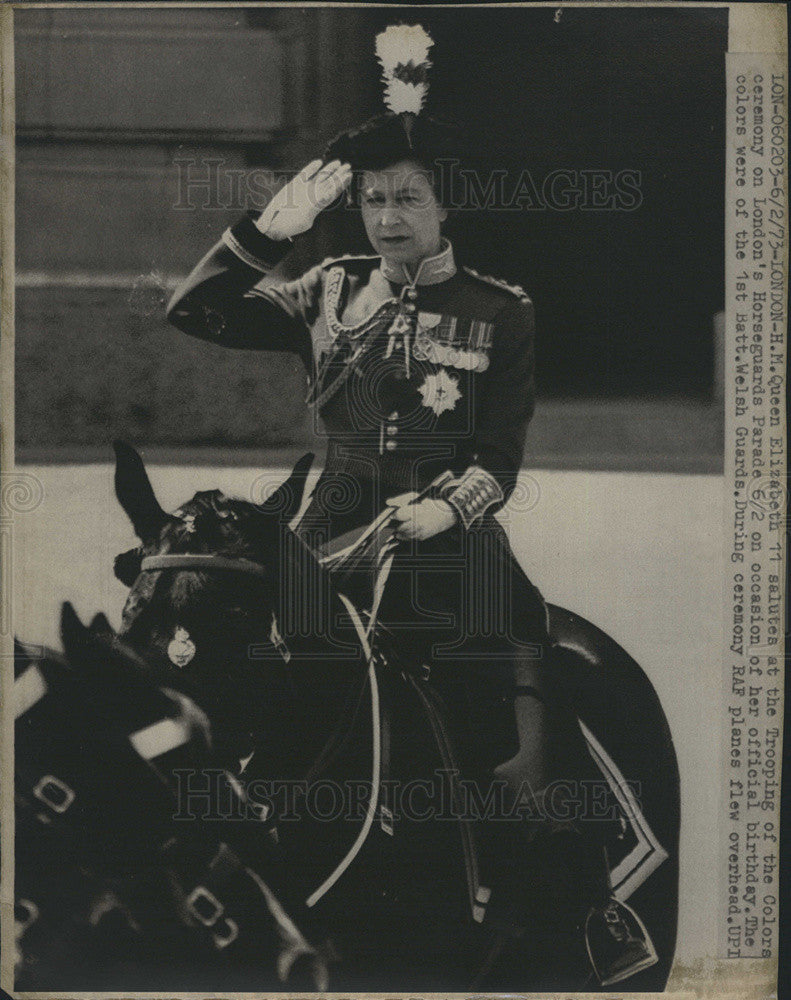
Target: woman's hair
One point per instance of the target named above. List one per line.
(388, 139)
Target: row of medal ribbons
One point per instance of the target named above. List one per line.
(426, 349)
(436, 340)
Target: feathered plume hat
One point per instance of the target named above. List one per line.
(402, 50)
(403, 132)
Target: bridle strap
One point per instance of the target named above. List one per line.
(192, 561)
(202, 562)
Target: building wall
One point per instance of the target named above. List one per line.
(115, 109)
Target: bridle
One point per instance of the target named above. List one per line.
(380, 741)
(207, 561)
(188, 561)
(375, 535)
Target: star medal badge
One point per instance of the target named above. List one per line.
(440, 391)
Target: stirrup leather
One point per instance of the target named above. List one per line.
(619, 945)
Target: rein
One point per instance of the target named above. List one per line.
(187, 561)
(380, 753)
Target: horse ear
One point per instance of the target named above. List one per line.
(135, 493)
(101, 626)
(118, 679)
(74, 635)
(287, 498)
(85, 645)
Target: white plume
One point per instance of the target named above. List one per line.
(403, 49)
(403, 97)
(401, 44)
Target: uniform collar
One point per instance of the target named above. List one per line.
(430, 271)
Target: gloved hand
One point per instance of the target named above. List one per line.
(294, 208)
(421, 520)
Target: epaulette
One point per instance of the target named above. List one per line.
(331, 261)
(516, 290)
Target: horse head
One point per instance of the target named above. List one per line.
(105, 862)
(207, 583)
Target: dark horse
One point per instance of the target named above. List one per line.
(265, 801)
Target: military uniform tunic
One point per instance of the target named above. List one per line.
(414, 375)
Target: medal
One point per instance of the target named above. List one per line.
(440, 391)
(181, 649)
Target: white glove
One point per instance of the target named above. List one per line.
(296, 205)
(422, 520)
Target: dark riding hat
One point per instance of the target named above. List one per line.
(403, 132)
(384, 140)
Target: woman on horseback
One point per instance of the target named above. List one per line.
(422, 372)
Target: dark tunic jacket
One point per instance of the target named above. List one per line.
(414, 376)
(411, 378)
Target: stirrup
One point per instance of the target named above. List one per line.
(619, 945)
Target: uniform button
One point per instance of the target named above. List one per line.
(392, 429)
(393, 415)
(411, 294)
(410, 308)
(390, 445)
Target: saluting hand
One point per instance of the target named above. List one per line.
(295, 206)
(422, 520)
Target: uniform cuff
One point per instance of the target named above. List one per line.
(250, 245)
(473, 494)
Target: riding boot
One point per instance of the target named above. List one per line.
(551, 882)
